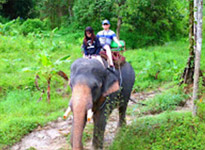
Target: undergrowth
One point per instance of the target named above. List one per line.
(167, 100)
(167, 131)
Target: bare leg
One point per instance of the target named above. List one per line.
(84, 56)
(109, 55)
(99, 58)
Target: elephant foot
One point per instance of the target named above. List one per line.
(97, 146)
(94, 148)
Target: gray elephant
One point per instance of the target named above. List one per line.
(94, 87)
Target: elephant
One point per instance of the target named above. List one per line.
(95, 87)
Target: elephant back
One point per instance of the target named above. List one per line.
(87, 66)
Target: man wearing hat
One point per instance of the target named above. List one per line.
(106, 36)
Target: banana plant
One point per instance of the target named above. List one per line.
(47, 69)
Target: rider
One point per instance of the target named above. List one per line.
(91, 45)
(106, 36)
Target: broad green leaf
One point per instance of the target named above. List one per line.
(63, 59)
(30, 69)
(45, 60)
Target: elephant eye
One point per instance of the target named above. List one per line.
(95, 87)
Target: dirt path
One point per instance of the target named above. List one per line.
(54, 136)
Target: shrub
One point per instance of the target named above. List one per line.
(3, 20)
(201, 109)
(11, 28)
(33, 25)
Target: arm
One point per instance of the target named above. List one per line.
(117, 41)
(98, 46)
(85, 49)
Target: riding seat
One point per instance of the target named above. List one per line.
(118, 59)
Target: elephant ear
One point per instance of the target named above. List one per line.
(111, 84)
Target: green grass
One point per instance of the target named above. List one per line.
(167, 100)
(167, 131)
(21, 113)
(168, 61)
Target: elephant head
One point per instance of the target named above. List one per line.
(89, 81)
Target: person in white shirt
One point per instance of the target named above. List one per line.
(106, 36)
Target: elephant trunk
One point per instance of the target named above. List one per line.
(81, 102)
(78, 126)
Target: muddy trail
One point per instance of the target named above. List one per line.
(54, 136)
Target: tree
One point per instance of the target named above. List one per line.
(188, 73)
(120, 3)
(91, 13)
(53, 9)
(149, 22)
(70, 8)
(2, 2)
(198, 32)
(17, 8)
(47, 69)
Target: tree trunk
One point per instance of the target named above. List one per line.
(70, 7)
(119, 22)
(189, 70)
(195, 21)
(48, 89)
(198, 53)
(119, 18)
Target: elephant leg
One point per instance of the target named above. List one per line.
(122, 114)
(100, 120)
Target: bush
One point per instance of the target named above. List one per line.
(34, 25)
(11, 28)
(3, 20)
(154, 22)
(201, 109)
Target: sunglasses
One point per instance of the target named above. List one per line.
(105, 24)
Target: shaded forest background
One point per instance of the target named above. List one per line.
(144, 22)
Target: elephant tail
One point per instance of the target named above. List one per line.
(134, 101)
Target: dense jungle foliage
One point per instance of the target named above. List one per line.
(144, 22)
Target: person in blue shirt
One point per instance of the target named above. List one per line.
(91, 45)
(106, 36)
